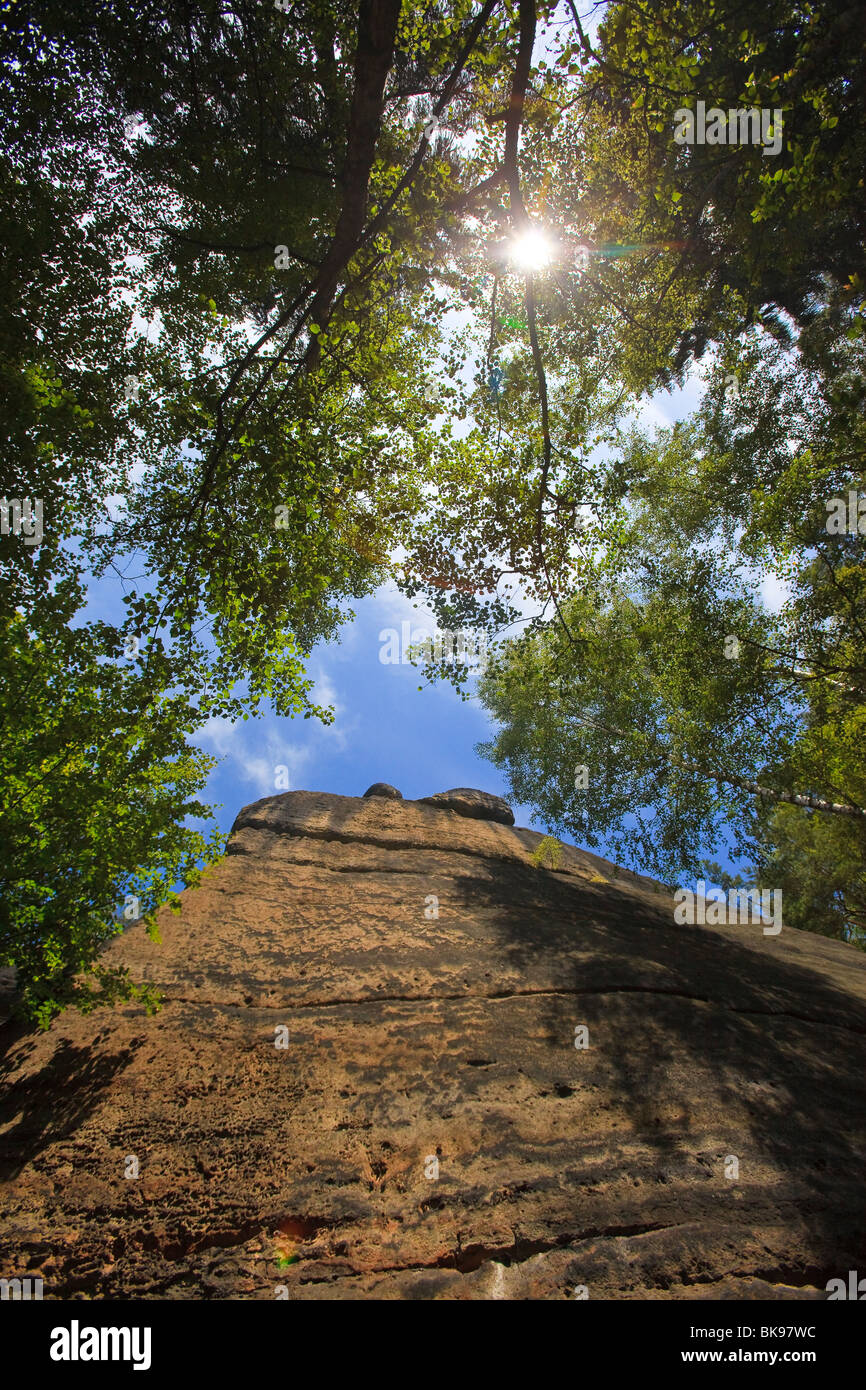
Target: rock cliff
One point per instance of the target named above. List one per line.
(398, 1059)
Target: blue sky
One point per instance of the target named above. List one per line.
(385, 729)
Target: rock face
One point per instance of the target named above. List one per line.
(368, 1081)
(475, 805)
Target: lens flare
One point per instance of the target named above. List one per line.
(531, 250)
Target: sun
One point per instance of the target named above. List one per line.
(531, 250)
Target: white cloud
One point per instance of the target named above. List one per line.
(393, 608)
(247, 759)
(262, 773)
(325, 693)
(775, 592)
(261, 769)
(221, 733)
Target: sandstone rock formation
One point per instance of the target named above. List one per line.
(365, 1084)
(476, 805)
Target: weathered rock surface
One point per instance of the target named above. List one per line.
(384, 789)
(476, 805)
(413, 1036)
